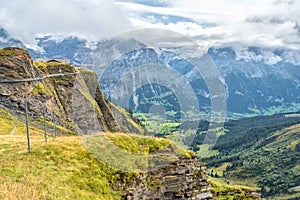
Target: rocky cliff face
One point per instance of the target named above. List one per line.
(181, 179)
(70, 96)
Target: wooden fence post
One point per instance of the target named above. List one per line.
(54, 126)
(45, 127)
(27, 126)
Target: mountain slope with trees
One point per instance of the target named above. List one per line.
(261, 151)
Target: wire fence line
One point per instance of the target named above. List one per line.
(26, 104)
(37, 78)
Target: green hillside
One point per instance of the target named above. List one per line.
(262, 152)
(65, 168)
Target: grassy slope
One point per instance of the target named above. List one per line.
(64, 168)
(225, 191)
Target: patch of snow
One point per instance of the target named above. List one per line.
(239, 93)
(91, 45)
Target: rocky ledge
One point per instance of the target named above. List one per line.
(180, 179)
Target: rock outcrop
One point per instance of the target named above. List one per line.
(180, 179)
(70, 96)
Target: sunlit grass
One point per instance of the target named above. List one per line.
(206, 152)
(63, 169)
(229, 192)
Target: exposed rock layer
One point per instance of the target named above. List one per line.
(181, 179)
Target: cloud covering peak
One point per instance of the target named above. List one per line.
(251, 23)
(92, 19)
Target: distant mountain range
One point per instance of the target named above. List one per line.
(258, 81)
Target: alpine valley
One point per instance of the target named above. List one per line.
(257, 152)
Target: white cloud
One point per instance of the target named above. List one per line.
(266, 56)
(248, 55)
(268, 23)
(292, 57)
(271, 58)
(93, 19)
(251, 23)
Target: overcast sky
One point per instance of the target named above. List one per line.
(273, 23)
